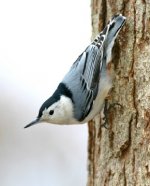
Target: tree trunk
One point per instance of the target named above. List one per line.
(121, 155)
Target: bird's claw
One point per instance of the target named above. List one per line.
(105, 113)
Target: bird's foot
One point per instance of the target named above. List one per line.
(106, 111)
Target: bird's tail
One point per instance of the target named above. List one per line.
(107, 37)
(113, 28)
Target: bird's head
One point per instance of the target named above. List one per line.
(58, 109)
(54, 111)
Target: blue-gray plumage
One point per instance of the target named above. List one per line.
(81, 94)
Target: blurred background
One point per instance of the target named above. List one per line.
(39, 41)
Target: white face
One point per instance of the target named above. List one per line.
(60, 112)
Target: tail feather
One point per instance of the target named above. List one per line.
(107, 37)
(110, 31)
(115, 26)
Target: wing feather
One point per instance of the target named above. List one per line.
(83, 78)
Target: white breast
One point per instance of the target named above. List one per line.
(104, 87)
(65, 111)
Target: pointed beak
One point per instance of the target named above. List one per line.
(36, 121)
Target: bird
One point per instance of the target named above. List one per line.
(80, 95)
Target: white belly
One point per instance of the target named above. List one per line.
(104, 87)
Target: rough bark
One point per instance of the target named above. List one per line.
(120, 156)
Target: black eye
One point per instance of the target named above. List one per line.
(51, 112)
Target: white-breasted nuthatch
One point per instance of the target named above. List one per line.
(81, 94)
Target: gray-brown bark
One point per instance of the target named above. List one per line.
(121, 155)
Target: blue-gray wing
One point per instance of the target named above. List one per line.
(83, 80)
(84, 76)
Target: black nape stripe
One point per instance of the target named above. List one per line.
(62, 89)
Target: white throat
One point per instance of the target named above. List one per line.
(66, 109)
(63, 112)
